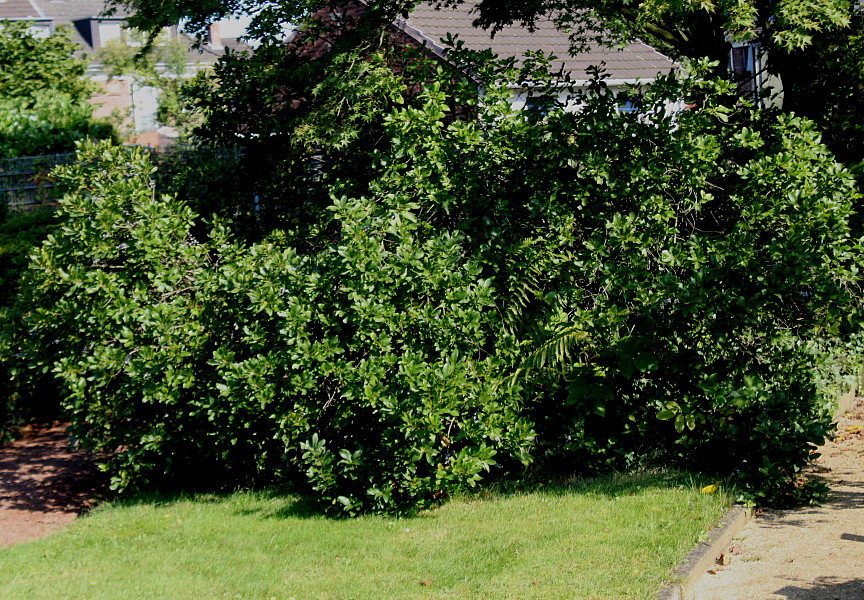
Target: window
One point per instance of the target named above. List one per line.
(115, 30)
(742, 63)
(109, 31)
(40, 30)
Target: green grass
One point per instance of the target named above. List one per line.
(613, 538)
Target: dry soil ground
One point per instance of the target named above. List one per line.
(812, 553)
(43, 485)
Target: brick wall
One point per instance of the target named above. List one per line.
(116, 95)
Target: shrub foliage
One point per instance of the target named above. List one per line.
(19, 234)
(540, 290)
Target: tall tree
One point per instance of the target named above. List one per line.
(792, 32)
(816, 48)
(686, 28)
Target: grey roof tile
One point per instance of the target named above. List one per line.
(635, 61)
(19, 9)
(70, 10)
(72, 13)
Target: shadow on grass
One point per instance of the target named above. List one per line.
(295, 508)
(279, 503)
(620, 484)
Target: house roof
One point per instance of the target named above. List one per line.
(429, 25)
(71, 10)
(21, 9)
(60, 12)
(77, 14)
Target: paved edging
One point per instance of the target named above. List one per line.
(699, 560)
(705, 555)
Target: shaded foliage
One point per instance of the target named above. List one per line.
(814, 48)
(19, 235)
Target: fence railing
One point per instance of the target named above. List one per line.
(25, 182)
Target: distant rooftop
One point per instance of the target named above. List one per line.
(77, 14)
(635, 61)
(91, 26)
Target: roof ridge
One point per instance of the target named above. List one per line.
(37, 9)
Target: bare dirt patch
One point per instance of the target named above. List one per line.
(814, 553)
(44, 485)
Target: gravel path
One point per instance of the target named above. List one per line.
(806, 554)
(43, 485)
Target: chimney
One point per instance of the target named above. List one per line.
(215, 37)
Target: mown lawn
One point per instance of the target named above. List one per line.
(612, 538)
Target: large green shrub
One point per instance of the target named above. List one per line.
(702, 254)
(574, 289)
(673, 270)
(362, 369)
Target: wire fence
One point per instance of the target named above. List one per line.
(26, 183)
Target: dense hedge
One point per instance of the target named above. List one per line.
(49, 124)
(20, 233)
(566, 291)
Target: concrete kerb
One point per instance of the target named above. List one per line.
(699, 560)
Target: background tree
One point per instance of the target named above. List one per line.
(37, 64)
(684, 29)
(808, 43)
(303, 123)
(815, 48)
(274, 98)
(830, 88)
(44, 95)
(162, 65)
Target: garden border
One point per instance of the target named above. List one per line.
(705, 554)
(701, 558)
